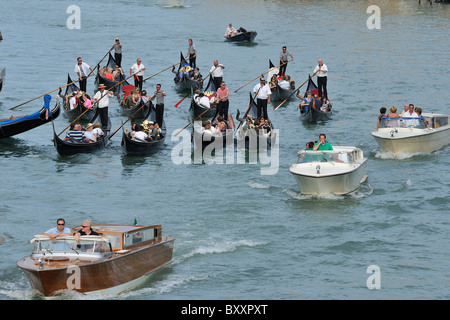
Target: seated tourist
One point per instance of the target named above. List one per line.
(89, 133)
(140, 135)
(97, 130)
(304, 105)
(77, 135)
(284, 84)
(204, 101)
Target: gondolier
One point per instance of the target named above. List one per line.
(284, 61)
(82, 70)
(138, 70)
(159, 95)
(263, 92)
(117, 52)
(322, 71)
(102, 100)
(217, 73)
(192, 54)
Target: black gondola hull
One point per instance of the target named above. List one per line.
(248, 36)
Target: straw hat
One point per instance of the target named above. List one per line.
(101, 86)
(89, 125)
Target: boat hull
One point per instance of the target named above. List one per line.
(248, 36)
(113, 272)
(341, 183)
(402, 141)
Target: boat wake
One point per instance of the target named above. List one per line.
(257, 185)
(395, 156)
(363, 191)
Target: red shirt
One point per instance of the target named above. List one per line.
(223, 94)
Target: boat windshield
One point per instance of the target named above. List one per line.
(69, 244)
(326, 156)
(405, 122)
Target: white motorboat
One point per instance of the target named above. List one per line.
(338, 171)
(413, 135)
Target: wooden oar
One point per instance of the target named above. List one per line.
(260, 76)
(59, 88)
(161, 71)
(128, 119)
(294, 91)
(97, 103)
(199, 116)
(199, 84)
(98, 63)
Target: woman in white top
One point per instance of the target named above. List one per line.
(89, 133)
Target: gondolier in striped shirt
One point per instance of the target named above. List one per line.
(192, 54)
(159, 108)
(284, 61)
(117, 52)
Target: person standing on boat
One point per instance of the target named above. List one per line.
(284, 61)
(59, 231)
(117, 52)
(262, 92)
(138, 70)
(322, 71)
(230, 31)
(222, 95)
(101, 97)
(322, 144)
(82, 70)
(159, 95)
(192, 54)
(216, 72)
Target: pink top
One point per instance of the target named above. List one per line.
(223, 94)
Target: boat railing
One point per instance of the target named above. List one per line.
(405, 122)
(92, 246)
(333, 156)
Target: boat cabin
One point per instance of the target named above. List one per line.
(112, 240)
(430, 121)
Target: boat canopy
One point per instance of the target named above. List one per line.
(427, 121)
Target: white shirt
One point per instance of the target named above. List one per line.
(84, 67)
(230, 31)
(103, 102)
(217, 72)
(73, 103)
(90, 135)
(284, 84)
(135, 68)
(140, 135)
(263, 93)
(204, 102)
(98, 131)
(321, 73)
(410, 122)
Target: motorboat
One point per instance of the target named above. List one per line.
(116, 260)
(413, 135)
(338, 171)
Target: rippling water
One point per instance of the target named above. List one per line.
(239, 234)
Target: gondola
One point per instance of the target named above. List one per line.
(250, 138)
(117, 88)
(70, 148)
(184, 82)
(2, 78)
(278, 93)
(136, 147)
(15, 125)
(247, 36)
(73, 114)
(200, 113)
(313, 115)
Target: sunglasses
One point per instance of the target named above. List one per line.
(61, 224)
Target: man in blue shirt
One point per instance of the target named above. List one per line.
(59, 231)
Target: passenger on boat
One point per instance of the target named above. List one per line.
(132, 98)
(98, 130)
(109, 74)
(309, 145)
(410, 114)
(204, 101)
(76, 135)
(152, 131)
(220, 121)
(86, 230)
(322, 144)
(316, 102)
(381, 115)
(208, 128)
(405, 109)
(291, 82)
(73, 101)
(230, 31)
(87, 101)
(422, 121)
(59, 231)
(273, 82)
(326, 105)
(284, 84)
(140, 134)
(89, 133)
(265, 126)
(392, 123)
(159, 133)
(118, 74)
(196, 75)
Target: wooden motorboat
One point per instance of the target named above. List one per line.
(338, 171)
(246, 36)
(72, 114)
(182, 79)
(114, 261)
(15, 125)
(251, 138)
(138, 147)
(67, 147)
(313, 115)
(413, 135)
